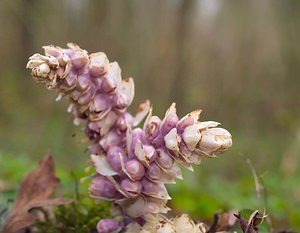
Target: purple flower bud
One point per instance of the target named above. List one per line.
(170, 120)
(70, 82)
(154, 171)
(169, 124)
(53, 50)
(184, 150)
(156, 205)
(110, 139)
(137, 134)
(86, 98)
(152, 128)
(69, 52)
(188, 120)
(100, 103)
(157, 175)
(75, 94)
(79, 58)
(145, 153)
(163, 159)
(94, 149)
(131, 188)
(95, 126)
(108, 225)
(156, 190)
(183, 123)
(113, 157)
(83, 81)
(108, 86)
(134, 169)
(108, 120)
(102, 187)
(119, 102)
(150, 152)
(71, 79)
(158, 141)
(124, 122)
(114, 72)
(98, 64)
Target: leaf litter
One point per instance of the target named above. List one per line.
(36, 191)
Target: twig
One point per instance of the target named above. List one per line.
(260, 188)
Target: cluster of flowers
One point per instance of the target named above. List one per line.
(132, 164)
(160, 224)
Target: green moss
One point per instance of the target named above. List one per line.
(80, 216)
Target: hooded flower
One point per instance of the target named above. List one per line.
(132, 164)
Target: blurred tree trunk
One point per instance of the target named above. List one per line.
(290, 50)
(24, 20)
(179, 84)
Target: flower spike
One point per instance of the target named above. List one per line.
(132, 164)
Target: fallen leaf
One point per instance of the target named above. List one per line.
(246, 227)
(222, 222)
(35, 191)
(250, 225)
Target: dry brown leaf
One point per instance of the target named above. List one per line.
(35, 191)
(251, 225)
(222, 222)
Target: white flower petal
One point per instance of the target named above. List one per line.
(195, 158)
(175, 171)
(171, 109)
(208, 124)
(155, 206)
(157, 190)
(98, 63)
(114, 72)
(167, 227)
(196, 114)
(109, 121)
(117, 186)
(171, 140)
(164, 178)
(141, 154)
(59, 97)
(191, 136)
(134, 228)
(147, 119)
(184, 224)
(128, 138)
(181, 160)
(137, 208)
(126, 87)
(142, 110)
(190, 118)
(215, 140)
(102, 166)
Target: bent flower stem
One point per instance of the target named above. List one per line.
(132, 164)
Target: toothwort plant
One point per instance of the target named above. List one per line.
(132, 164)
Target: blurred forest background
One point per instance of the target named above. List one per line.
(239, 61)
